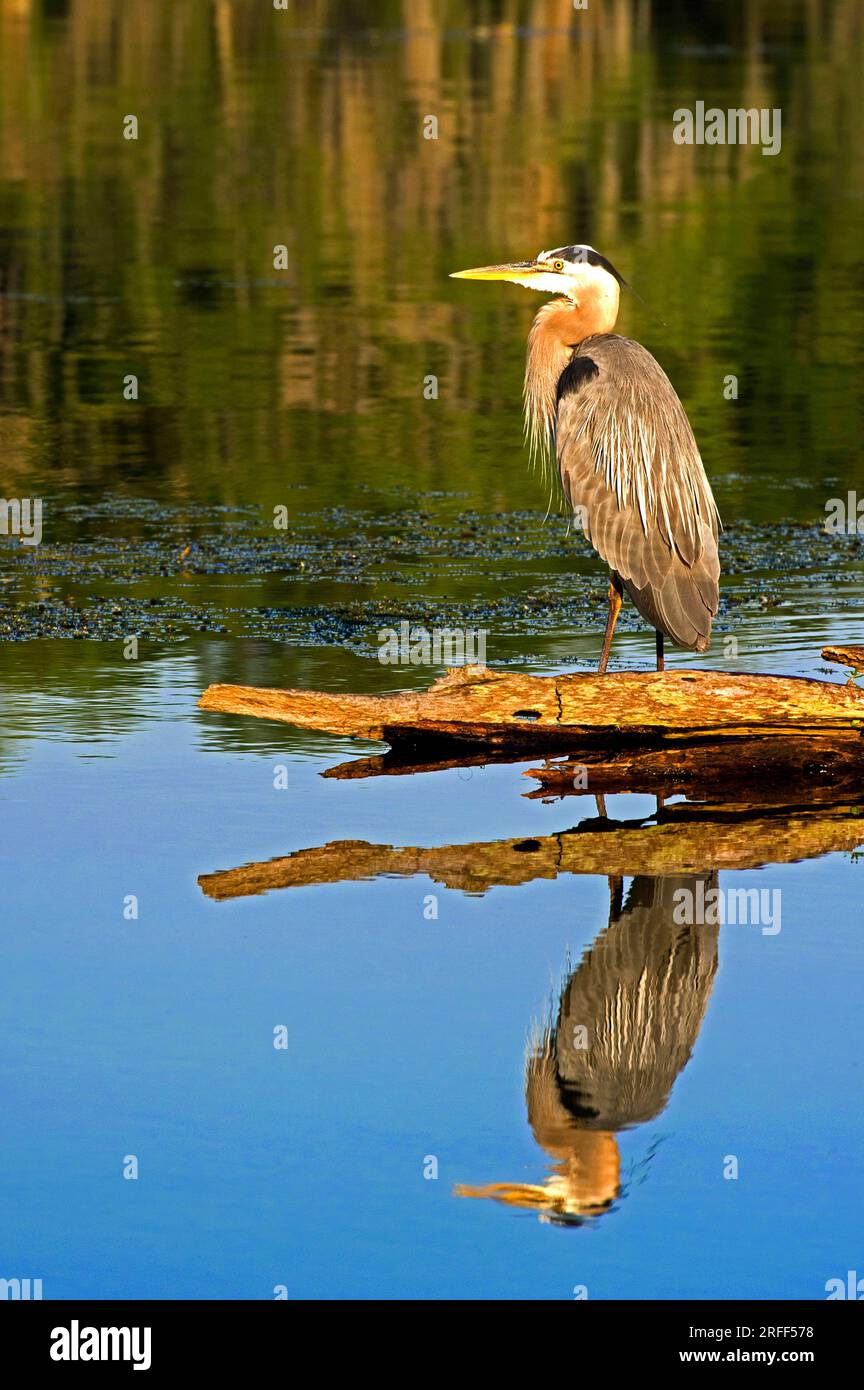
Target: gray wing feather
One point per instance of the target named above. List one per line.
(629, 462)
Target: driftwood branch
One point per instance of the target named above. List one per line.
(474, 707)
(755, 767)
(853, 657)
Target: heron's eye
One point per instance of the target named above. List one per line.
(557, 265)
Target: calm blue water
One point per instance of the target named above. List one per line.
(406, 1039)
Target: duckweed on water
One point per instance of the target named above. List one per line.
(127, 568)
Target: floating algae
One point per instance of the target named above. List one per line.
(127, 566)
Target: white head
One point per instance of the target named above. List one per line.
(590, 286)
(579, 272)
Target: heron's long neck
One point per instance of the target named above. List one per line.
(559, 327)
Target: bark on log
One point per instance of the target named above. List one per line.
(852, 657)
(472, 706)
(756, 767)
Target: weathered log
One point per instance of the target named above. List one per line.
(758, 768)
(853, 657)
(404, 761)
(683, 838)
(473, 706)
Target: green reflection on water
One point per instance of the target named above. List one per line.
(260, 129)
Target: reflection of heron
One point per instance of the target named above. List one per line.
(628, 461)
(628, 1018)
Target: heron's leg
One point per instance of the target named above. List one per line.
(616, 896)
(660, 663)
(615, 589)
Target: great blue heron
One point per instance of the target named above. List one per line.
(629, 464)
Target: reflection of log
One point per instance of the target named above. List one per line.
(685, 837)
(472, 705)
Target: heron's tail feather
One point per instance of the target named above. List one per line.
(675, 608)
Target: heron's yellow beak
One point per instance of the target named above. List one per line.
(516, 271)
